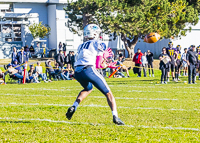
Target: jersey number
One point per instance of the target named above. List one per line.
(171, 52)
(86, 45)
(179, 56)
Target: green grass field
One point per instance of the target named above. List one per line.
(152, 112)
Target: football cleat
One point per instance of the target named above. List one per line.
(70, 112)
(117, 121)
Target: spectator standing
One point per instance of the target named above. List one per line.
(192, 60)
(64, 49)
(150, 62)
(14, 55)
(60, 59)
(144, 64)
(32, 51)
(164, 65)
(72, 60)
(67, 60)
(184, 61)
(38, 69)
(26, 49)
(60, 46)
(138, 61)
(22, 56)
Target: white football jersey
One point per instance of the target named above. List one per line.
(88, 51)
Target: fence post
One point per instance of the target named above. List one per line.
(25, 69)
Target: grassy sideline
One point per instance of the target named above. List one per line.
(154, 112)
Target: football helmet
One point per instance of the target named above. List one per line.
(91, 31)
(170, 43)
(178, 47)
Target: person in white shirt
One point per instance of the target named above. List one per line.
(38, 69)
(184, 60)
(144, 63)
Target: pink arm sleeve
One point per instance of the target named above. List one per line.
(98, 62)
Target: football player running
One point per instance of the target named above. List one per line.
(91, 55)
(171, 54)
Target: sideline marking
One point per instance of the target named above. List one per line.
(70, 89)
(94, 105)
(125, 98)
(131, 126)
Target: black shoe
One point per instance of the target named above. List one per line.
(70, 112)
(117, 121)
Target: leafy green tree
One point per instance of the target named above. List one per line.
(39, 30)
(133, 19)
(193, 3)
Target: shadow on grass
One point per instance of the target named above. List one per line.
(15, 122)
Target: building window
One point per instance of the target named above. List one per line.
(10, 32)
(6, 7)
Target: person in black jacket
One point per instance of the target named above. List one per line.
(60, 59)
(192, 60)
(164, 65)
(68, 60)
(72, 60)
(64, 48)
(150, 62)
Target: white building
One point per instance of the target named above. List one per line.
(17, 15)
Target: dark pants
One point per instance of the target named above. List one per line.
(18, 76)
(171, 67)
(61, 64)
(150, 67)
(191, 73)
(90, 76)
(178, 65)
(72, 64)
(145, 70)
(139, 68)
(164, 73)
(52, 74)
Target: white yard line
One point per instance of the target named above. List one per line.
(93, 105)
(124, 98)
(85, 123)
(141, 91)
